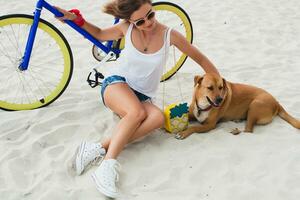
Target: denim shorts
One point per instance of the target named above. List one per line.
(120, 79)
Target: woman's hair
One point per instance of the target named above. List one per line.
(123, 9)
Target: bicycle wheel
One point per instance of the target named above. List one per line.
(49, 71)
(176, 18)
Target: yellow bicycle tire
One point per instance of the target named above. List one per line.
(54, 33)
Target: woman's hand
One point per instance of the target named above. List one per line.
(67, 15)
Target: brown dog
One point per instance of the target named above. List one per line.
(216, 99)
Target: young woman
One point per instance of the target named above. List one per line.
(128, 90)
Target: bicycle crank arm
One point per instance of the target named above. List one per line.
(108, 57)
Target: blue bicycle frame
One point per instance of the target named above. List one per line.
(37, 13)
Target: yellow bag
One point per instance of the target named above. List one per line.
(176, 117)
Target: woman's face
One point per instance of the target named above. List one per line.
(144, 18)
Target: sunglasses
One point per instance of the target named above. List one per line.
(149, 16)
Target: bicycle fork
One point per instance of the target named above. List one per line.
(32, 33)
(33, 30)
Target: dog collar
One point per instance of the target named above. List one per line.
(202, 110)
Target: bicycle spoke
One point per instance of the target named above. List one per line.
(18, 89)
(21, 78)
(2, 51)
(6, 55)
(37, 43)
(7, 81)
(7, 35)
(51, 76)
(25, 37)
(51, 62)
(14, 88)
(17, 44)
(37, 77)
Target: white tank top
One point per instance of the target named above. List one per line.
(142, 71)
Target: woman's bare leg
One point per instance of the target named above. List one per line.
(154, 120)
(122, 100)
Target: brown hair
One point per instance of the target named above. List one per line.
(123, 9)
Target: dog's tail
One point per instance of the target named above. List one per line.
(287, 117)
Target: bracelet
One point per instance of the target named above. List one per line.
(79, 20)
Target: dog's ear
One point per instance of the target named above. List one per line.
(197, 80)
(224, 84)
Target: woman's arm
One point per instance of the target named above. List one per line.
(187, 48)
(112, 33)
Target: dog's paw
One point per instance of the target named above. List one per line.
(235, 131)
(180, 136)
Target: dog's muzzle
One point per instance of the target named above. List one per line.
(215, 103)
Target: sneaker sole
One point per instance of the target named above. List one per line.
(79, 154)
(101, 189)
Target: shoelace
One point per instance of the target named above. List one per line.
(96, 160)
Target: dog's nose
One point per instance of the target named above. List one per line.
(219, 100)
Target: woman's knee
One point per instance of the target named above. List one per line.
(158, 118)
(138, 114)
(155, 115)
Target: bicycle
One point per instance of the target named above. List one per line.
(29, 81)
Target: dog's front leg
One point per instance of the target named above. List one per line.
(201, 128)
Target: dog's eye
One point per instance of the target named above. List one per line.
(220, 88)
(210, 88)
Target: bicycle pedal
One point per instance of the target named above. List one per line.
(93, 80)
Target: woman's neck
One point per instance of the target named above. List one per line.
(149, 33)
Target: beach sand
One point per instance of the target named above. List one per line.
(253, 42)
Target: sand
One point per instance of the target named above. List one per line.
(253, 42)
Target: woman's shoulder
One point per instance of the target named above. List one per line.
(166, 29)
(162, 27)
(124, 25)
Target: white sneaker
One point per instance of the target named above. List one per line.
(106, 177)
(86, 154)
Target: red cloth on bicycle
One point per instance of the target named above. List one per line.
(79, 20)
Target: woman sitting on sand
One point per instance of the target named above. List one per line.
(128, 90)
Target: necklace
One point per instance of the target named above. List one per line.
(145, 45)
